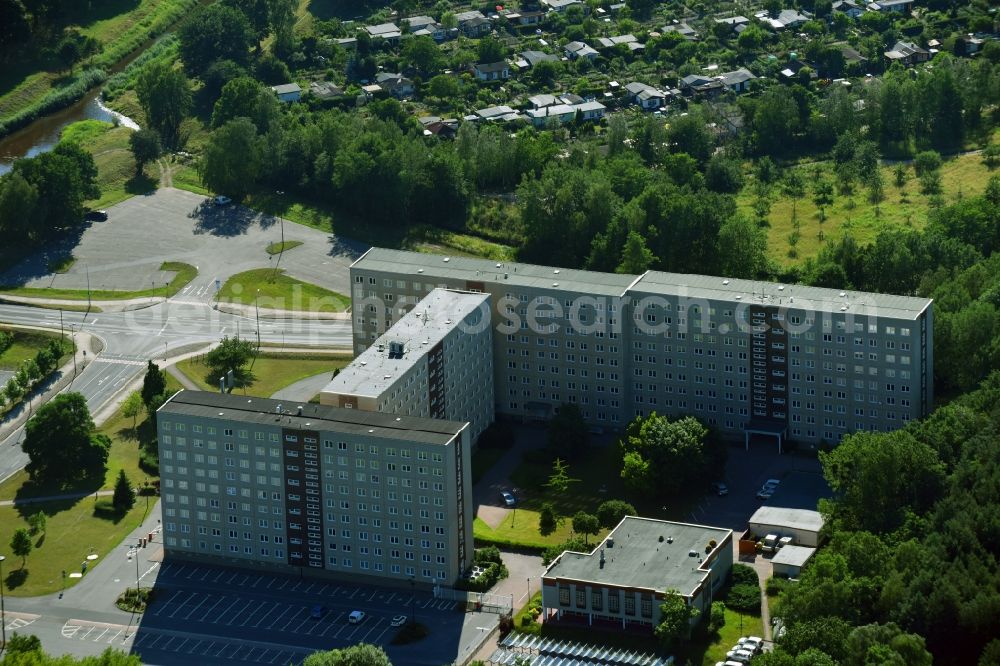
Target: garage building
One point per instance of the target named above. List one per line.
(801, 524)
(789, 560)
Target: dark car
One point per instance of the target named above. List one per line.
(96, 216)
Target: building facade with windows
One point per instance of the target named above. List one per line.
(626, 577)
(435, 362)
(345, 492)
(746, 357)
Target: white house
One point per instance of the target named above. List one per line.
(576, 50)
(492, 71)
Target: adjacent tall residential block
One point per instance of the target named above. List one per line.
(254, 482)
(435, 362)
(745, 357)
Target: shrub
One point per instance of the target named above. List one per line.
(744, 575)
(610, 513)
(717, 618)
(575, 543)
(776, 585)
(487, 555)
(744, 597)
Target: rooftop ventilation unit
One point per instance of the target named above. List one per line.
(395, 350)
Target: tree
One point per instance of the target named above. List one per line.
(165, 97)
(638, 474)
(232, 354)
(611, 512)
(36, 523)
(21, 643)
(443, 86)
(559, 480)
(926, 161)
(793, 187)
(232, 160)
(742, 248)
(568, 433)
(822, 196)
(281, 17)
(154, 385)
(145, 147)
(547, 519)
(636, 257)
(246, 98)
(546, 72)
(132, 406)
(361, 654)
(675, 620)
(689, 134)
(586, 523)
(256, 13)
(422, 53)
(20, 544)
(674, 450)
(123, 498)
(68, 51)
(490, 49)
(217, 32)
(723, 175)
(62, 443)
(876, 190)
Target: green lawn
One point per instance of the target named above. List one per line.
(708, 653)
(279, 247)
(272, 373)
(520, 529)
(72, 531)
(271, 288)
(183, 273)
(26, 345)
(116, 173)
(433, 240)
(964, 175)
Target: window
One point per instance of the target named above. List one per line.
(613, 601)
(629, 603)
(597, 600)
(581, 598)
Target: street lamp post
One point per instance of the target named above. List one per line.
(413, 600)
(63, 591)
(3, 613)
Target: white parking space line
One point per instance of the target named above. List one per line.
(209, 648)
(275, 620)
(257, 582)
(221, 574)
(99, 637)
(167, 644)
(223, 613)
(112, 639)
(254, 612)
(284, 584)
(194, 570)
(302, 624)
(223, 649)
(306, 591)
(271, 610)
(246, 657)
(205, 614)
(232, 578)
(372, 598)
(375, 641)
(356, 590)
(428, 603)
(238, 613)
(315, 625)
(341, 630)
(181, 646)
(191, 612)
(183, 603)
(295, 589)
(374, 627)
(207, 573)
(244, 581)
(84, 637)
(164, 606)
(194, 647)
(290, 620)
(391, 595)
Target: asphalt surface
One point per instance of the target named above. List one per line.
(126, 251)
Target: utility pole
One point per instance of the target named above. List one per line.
(88, 287)
(60, 324)
(3, 612)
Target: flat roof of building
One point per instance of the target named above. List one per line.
(799, 519)
(427, 324)
(485, 270)
(791, 555)
(793, 296)
(284, 414)
(639, 559)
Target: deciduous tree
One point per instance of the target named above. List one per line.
(62, 443)
(165, 96)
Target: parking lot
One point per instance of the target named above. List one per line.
(220, 615)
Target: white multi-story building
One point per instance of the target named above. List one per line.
(747, 358)
(435, 362)
(342, 492)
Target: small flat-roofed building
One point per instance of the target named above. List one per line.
(790, 559)
(625, 578)
(435, 362)
(387, 31)
(801, 524)
(287, 92)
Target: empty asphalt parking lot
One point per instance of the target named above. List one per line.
(205, 614)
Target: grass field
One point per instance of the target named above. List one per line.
(721, 642)
(270, 288)
(116, 173)
(121, 26)
(964, 175)
(279, 247)
(272, 373)
(441, 241)
(184, 273)
(26, 345)
(61, 265)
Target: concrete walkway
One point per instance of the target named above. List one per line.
(55, 498)
(184, 380)
(304, 389)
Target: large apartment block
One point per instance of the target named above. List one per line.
(254, 482)
(435, 362)
(746, 357)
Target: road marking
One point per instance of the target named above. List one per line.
(372, 598)
(207, 572)
(426, 603)
(167, 644)
(365, 637)
(195, 647)
(223, 613)
(221, 574)
(178, 648)
(306, 591)
(232, 578)
(275, 621)
(191, 612)
(194, 570)
(84, 637)
(69, 631)
(256, 610)
(210, 646)
(296, 586)
(240, 612)
(261, 657)
(183, 603)
(276, 607)
(273, 581)
(356, 590)
(244, 581)
(391, 595)
(379, 637)
(102, 634)
(202, 619)
(257, 582)
(283, 584)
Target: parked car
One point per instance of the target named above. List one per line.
(742, 656)
(765, 493)
(772, 483)
(96, 216)
(356, 617)
(754, 643)
(317, 611)
(222, 200)
(398, 621)
(508, 498)
(720, 488)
